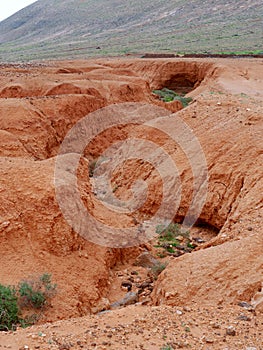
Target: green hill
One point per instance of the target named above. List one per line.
(84, 28)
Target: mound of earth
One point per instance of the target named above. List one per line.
(198, 296)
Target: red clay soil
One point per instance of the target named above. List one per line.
(195, 300)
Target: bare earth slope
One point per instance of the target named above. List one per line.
(195, 299)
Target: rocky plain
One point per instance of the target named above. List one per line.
(209, 297)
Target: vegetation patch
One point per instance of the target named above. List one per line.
(173, 240)
(9, 311)
(36, 293)
(29, 295)
(168, 95)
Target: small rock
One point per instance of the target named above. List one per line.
(231, 331)
(215, 325)
(199, 240)
(244, 318)
(144, 285)
(186, 309)
(146, 301)
(103, 304)
(179, 344)
(127, 285)
(209, 340)
(250, 228)
(251, 348)
(129, 299)
(146, 260)
(246, 306)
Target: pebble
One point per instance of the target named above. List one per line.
(246, 305)
(231, 331)
(215, 325)
(244, 318)
(209, 340)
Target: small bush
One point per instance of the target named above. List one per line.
(168, 233)
(169, 238)
(8, 308)
(30, 294)
(168, 95)
(36, 293)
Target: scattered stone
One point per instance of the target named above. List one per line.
(246, 305)
(102, 305)
(144, 285)
(129, 299)
(215, 325)
(127, 285)
(179, 344)
(186, 309)
(209, 340)
(231, 331)
(131, 279)
(199, 240)
(146, 301)
(146, 260)
(244, 318)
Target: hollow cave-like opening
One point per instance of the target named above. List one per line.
(181, 83)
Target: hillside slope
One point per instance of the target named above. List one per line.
(79, 28)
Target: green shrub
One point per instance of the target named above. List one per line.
(36, 293)
(169, 238)
(168, 95)
(9, 310)
(168, 233)
(30, 294)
